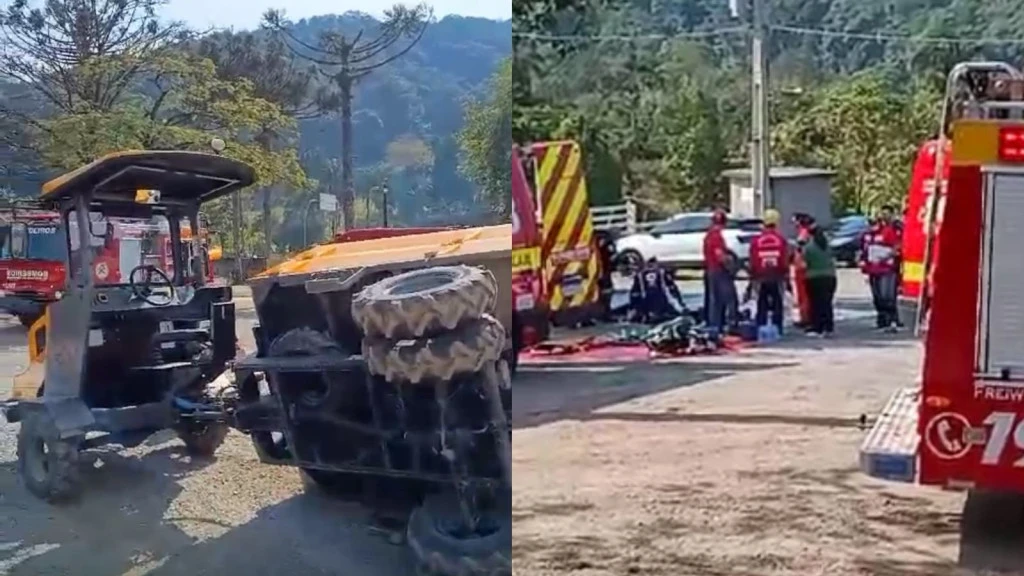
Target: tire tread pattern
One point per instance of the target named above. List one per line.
(64, 474)
(469, 293)
(440, 357)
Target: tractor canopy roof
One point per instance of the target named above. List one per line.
(175, 176)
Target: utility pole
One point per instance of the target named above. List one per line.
(759, 131)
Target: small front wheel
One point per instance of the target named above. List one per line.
(47, 464)
(27, 320)
(202, 439)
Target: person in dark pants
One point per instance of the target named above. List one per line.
(880, 262)
(821, 282)
(720, 285)
(769, 266)
(606, 256)
(654, 297)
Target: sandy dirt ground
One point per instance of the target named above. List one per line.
(736, 465)
(151, 511)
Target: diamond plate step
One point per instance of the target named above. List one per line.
(889, 451)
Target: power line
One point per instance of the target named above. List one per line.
(630, 37)
(848, 35)
(882, 37)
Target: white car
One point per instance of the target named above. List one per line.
(679, 241)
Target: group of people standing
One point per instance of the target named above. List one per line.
(804, 268)
(807, 270)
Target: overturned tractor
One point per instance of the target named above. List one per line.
(381, 372)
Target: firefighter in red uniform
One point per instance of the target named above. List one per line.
(718, 276)
(769, 266)
(802, 301)
(880, 258)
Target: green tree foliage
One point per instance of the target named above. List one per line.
(183, 105)
(486, 138)
(660, 118)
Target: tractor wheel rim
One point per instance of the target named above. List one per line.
(36, 461)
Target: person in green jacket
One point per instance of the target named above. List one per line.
(820, 282)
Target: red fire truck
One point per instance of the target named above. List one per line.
(530, 318)
(920, 197)
(32, 256)
(962, 427)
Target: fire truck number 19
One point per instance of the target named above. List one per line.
(1002, 424)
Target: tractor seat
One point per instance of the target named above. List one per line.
(182, 335)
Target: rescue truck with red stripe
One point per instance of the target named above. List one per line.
(962, 426)
(569, 262)
(530, 307)
(921, 201)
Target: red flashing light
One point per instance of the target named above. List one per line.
(1011, 143)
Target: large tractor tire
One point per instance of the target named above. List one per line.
(48, 465)
(440, 357)
(424, 302)
(443, 546)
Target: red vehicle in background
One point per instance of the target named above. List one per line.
(33, 253)
(920, 196)
(530, 309)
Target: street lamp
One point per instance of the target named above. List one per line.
(384, 208)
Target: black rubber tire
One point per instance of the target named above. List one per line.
(628, 261)
(27, 320)
(440, 357)
(438, 553)
(202, 439)
(992, 515)
(302, 342)
(424, 302)
(48, 465)
(309, 342)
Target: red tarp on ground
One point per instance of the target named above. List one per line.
(597, 349)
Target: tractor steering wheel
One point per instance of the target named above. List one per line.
(143, 290)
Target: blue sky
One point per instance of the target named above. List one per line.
(242, 14)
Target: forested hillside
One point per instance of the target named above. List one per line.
(659, 90)
(175, 88)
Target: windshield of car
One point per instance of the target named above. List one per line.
(119, 245)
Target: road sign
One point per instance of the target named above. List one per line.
(328, 203)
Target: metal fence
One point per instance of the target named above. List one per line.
(620, 219)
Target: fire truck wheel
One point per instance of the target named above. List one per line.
(444, 546)
(440, 357)
(47, 464)
(424, 302)
(27, 320)
(202, 439)
(991, 515)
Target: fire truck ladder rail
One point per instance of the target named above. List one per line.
(889, 451)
